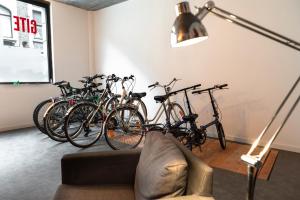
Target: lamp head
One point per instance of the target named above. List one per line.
(187, 28)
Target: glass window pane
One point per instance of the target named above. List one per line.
(5, 26)
(37, 15)
(39, 33)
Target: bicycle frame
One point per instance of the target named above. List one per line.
(161, 109)
(215, 112)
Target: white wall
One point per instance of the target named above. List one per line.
(134, 37)
(71, 62)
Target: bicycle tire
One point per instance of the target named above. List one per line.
(142, 106)
(111, 104)
(38, 115)
(80, 114)
(175, 116)
(54, 121)
(221, 135)
(121, 141)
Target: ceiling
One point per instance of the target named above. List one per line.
(91, 4)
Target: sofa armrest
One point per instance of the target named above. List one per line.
(200, 178)
(190, 197)
(113, 167)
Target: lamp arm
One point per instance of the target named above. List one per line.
(255, 143)
(210, 7)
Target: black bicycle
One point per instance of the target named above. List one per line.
(186, 130)
(216, 121)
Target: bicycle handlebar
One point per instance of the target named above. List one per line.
(185, 89)
(59, 82)
(220, 87)
(167, 85)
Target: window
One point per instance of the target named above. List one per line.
(25, 42)
(37, 15)
(5, 19)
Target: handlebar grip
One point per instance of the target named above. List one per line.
(131, 76)
(195, 86)
(197, 92)
(222, 86)
(153, 85)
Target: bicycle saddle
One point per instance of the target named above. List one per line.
(139, 95)
(188, 118)
(161, 98)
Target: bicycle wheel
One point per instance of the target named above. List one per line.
(175, 112)
(123, 128)
(54, 121)
(141, 105)
(111, 104)
(83, 124)
(39, 112)
(221, 135)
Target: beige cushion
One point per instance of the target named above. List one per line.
(162, 169)
(104, 192)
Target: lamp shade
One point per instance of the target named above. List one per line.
(187, 28)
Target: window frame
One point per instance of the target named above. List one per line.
(46, 5)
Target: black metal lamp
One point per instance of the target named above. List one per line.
(188, 29)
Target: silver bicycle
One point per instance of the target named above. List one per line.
(125, 126)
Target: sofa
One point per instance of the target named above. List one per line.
(136, 174)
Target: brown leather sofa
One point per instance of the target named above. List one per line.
(111, 175)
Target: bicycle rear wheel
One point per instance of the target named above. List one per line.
(83, 124)
(39, 112)
(221, 135)
(123, 128)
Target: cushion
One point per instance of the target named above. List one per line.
(162, 169)
(104, 192)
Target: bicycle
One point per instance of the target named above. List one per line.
(38, 113)
(194, 136)
(216, 121)
(125, 127)
(83, 121)
(54, 116)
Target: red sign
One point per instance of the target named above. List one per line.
(25, 25)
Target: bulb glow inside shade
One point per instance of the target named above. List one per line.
(187, 42)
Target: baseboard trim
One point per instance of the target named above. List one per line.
(15, 127)
(275, 145)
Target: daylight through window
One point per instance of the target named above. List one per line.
(25, 53)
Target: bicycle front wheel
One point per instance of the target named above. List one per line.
(175, 112)
(54, 121)
(83, 124)
(221, 135)
(123, 128)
